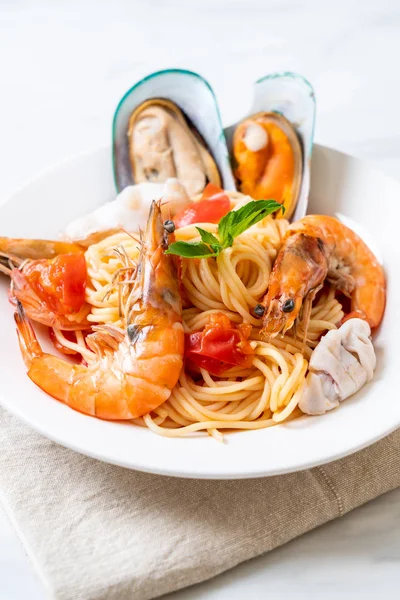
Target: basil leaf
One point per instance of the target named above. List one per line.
(191, 250)
(230, 226)
(207, 237)
(243, 218)
(225, 226)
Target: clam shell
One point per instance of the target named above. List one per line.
(194, 97)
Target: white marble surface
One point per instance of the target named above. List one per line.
(64, 65)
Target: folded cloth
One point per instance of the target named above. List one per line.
(95, 531)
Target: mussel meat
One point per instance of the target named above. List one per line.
(271, 148)
(163, 144)
(268, 159)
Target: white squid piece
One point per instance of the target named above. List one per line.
(340, 365)
(129, 210)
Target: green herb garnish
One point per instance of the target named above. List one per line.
(230, 226)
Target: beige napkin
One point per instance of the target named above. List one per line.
(95, 531)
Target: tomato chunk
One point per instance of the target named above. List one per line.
(213, 205)
(59, 282)
(220, 346)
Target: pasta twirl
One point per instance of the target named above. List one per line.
(260, 396)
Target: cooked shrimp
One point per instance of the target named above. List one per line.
(315, 249)
(135, 370)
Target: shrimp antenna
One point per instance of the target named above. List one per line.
(130, 235)
(130, 267)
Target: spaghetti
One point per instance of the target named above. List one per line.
(262, 395)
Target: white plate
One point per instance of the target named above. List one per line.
(339, 184)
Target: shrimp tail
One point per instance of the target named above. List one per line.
(28, 342)
(50, 373)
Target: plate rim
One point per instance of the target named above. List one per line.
(134, 463)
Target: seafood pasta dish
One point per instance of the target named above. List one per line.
(235, 325)
(203, 298)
